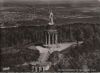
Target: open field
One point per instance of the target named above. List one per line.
(68, 12)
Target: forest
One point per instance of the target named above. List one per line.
(80, 57)
(75, 57)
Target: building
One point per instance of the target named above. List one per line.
(51, 34)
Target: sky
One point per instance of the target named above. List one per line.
(51, 0)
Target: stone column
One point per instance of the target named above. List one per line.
(46, 39)
(53, 38)
(49, 38)
(56, 38)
